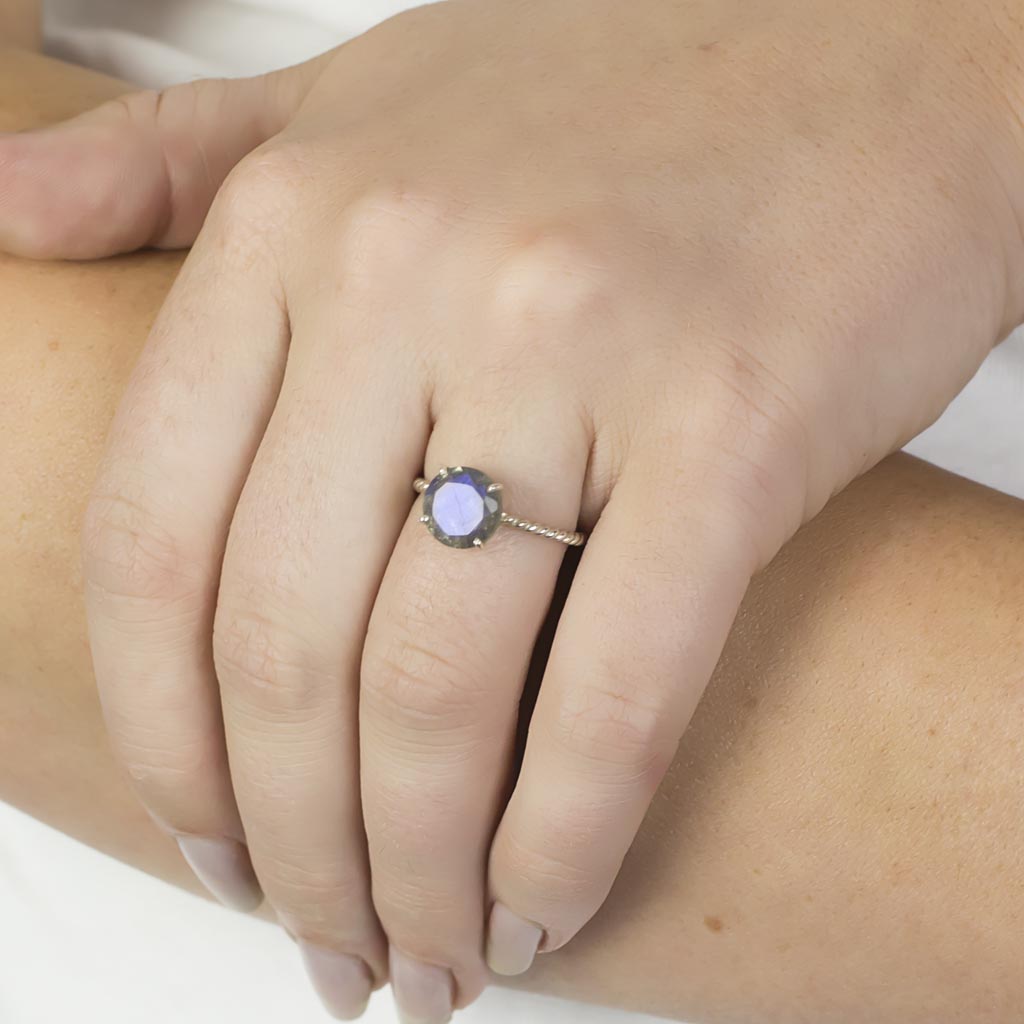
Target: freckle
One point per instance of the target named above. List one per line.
(708, 47)
(54, 346)
(931, 731)
(713, 924)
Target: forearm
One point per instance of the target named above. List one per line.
(19, 23)
(839, 838)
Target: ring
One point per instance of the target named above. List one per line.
(462, 509)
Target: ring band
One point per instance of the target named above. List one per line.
(462, 508)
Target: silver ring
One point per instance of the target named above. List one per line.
(462, 509)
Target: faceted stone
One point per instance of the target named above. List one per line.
(460, 509)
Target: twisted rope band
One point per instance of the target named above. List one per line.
(570, 538)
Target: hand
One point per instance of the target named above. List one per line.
(676, 273)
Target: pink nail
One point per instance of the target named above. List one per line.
(343, 983)
(423, 992)
(511, 942)
(223, 866)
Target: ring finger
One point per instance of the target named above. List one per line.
(447, 650)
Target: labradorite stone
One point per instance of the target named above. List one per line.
(458, 508)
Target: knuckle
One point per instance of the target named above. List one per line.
(319, 903)
(613, 728)
(168, 779)
(128, 552)
(553, 286)
(184, 786)
(140, 106)
(544, 868)
(138, 109)
(260, 190)
(266, 662)
(556, 275)
(741, 446)
(409, 898)
(415, 811)
(385, 229)
(412, 686)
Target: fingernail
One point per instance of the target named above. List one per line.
(423, 992)
(511, 942)
(343, 983)
(223, 866)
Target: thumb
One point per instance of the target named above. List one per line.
(140, 170)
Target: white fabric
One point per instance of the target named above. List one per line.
(84, 939)
(158, 42)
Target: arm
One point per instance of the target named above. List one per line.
(19, 23)
(840, 836)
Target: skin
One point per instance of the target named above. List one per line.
(839, 837)
(20, 24)
(801, 244)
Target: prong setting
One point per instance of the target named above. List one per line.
(461, 508)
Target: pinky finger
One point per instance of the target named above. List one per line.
(644, 625)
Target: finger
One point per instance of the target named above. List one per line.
(324, 502)
(141, 170)
(446, 655)
(154, 536)
(656, 592)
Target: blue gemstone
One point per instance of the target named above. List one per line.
(459, 507)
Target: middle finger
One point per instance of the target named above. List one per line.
(304, 557)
